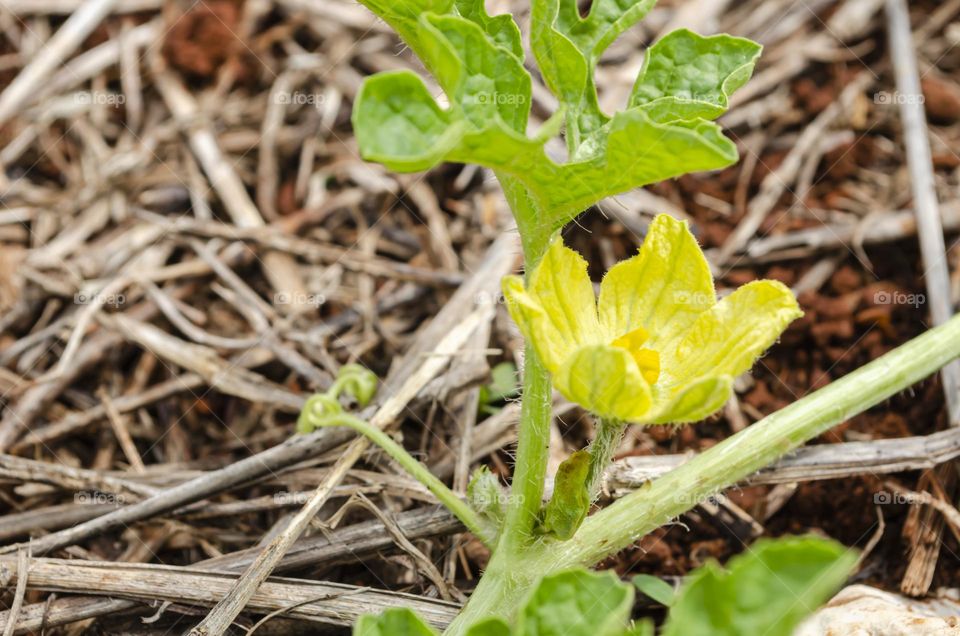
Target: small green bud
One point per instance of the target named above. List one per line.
(486, 495)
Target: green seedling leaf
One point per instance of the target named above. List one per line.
(570, 503)
(486, 495)
(767, 590)
(409, 133)
(577, 603)
(489, 627)
(686, 76)
(567, 72)
(393, 622)
(656, 588)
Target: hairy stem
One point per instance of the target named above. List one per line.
(533, 436)
(606, 439)
(470, 518)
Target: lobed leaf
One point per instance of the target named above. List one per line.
(398, 621)
(767, 590)
(577, 603)
(489, 627)
(399, 124)
(605, 22)
(477, 60)
(482, 79)
(404, 16)
(642, 628)
(686, 76)
(501, 28)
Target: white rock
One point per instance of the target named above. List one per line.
(860, 610)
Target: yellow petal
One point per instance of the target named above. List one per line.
(605, 380)
(662, 289)
(693, 402)
(557, 310)
(728, 339)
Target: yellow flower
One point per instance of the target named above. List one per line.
(657, 348)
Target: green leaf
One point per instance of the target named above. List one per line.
(477, 61)
(503, 385)
(567, 72)
(655, 587)
(404, 16)
(570, 503)
(504, 381)
(768, 590)
(479, 77)
(501, 28)
(398, 621)
(642, 628)
(567, 48)
(399, 124)
(577, 603)
(489, 627)
(605, 22)
(686, 76)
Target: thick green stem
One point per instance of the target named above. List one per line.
(533, 441)
(533, 436)
(606, 440)
(510, 576)
(505, 583)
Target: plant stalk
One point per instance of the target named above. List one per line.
(533, 436)
(418, 471)
(606, 439)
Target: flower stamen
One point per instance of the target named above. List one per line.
(647, 360)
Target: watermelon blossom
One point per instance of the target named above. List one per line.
(657, 347)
